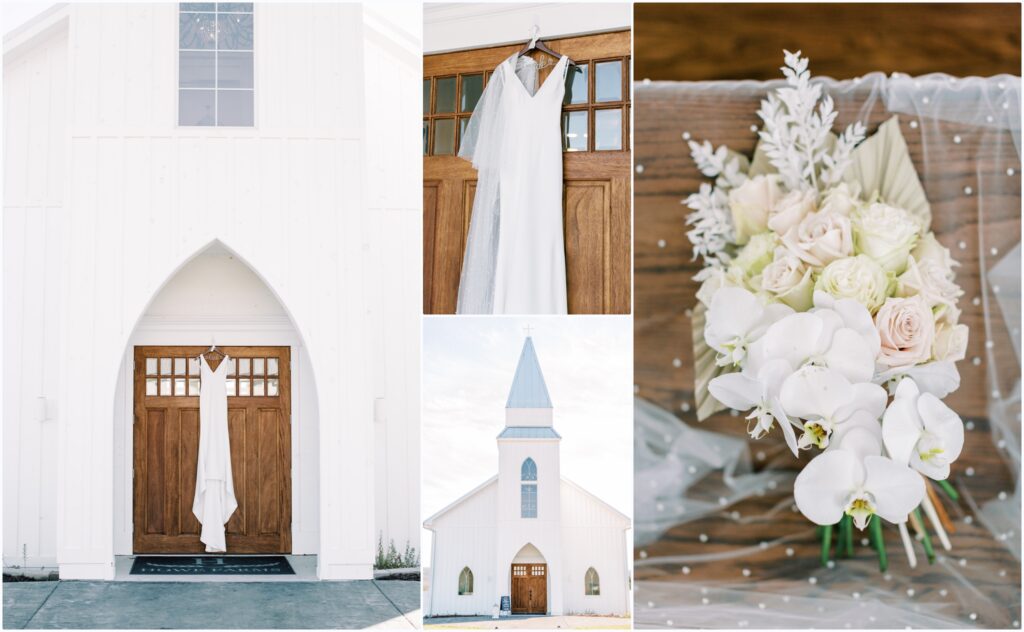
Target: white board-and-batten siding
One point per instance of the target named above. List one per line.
(592, 534)
(142, 197)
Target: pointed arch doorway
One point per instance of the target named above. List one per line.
(529, 582)
(273, 414)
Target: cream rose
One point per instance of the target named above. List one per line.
(753, 257)
(749, 204)
(950, 342)
(930, 279)
(906, 327)
(858, 278)
(887, 234)
(789, 280)
(790, 209)
(841, 198)
(929, 248)
(821, 238)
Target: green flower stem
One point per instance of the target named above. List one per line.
(826, 543)
(876, 534)
(849, 535)
(926, 540)
(950, 490)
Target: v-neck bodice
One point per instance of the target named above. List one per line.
(525, 71)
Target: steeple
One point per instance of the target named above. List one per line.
(529, 404)
(528, 387)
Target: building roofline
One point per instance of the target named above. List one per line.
(629, 521)
(37, 27)
(429, 522)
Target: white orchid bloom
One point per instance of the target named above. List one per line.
(940, 378)
(838, 334)
(861, 433)
(825, 399)
(922, 432)
(735, 319)
(743, 391)
(840, 482)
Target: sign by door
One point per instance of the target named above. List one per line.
(529, 589)
(166, 448)
(506, 604)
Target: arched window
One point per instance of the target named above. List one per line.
(592, 583)
(466, 582)
(529, 470)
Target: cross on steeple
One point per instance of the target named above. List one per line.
(527, 329)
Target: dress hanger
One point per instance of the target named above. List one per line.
(536, 44)
(213, 350)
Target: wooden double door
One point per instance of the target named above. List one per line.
(529, 589)
(166, 448)
(596, 169)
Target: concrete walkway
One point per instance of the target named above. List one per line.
(529, 622)
(148, 605)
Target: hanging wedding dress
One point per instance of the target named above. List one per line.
(214, 501)
(515, 253)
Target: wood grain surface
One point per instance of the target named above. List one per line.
(707, 41)
(665, 291)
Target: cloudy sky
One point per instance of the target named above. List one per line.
(468, 364)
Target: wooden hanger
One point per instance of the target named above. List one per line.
(213, 350)
(536, 44)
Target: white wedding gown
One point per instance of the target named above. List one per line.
(515, 254)
(214, 501)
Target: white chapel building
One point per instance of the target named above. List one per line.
(182, 175)
(527, 533)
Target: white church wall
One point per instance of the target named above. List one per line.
(216, 298)
(594, 535)
(286, 196)
(393, 64)
(465, 536)
(35, 89)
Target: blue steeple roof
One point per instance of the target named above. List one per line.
(528, 387)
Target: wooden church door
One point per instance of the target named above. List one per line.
(529, 589)
(597, 168)
(166, 447)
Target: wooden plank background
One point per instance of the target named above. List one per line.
(704, 41)
(664, 290)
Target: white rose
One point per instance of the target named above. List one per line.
(841, 198)
(929, 248)
(789, 280)
(886, 234)
(753, 257)
(714, 279)
(906, 327)
(749, 204)
(858, 278)
(821, 238)
(950, 342)
(788, 211)
(930, 279)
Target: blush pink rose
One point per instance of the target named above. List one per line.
(906, 327)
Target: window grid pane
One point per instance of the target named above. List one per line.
(227, 101)
(529, 501)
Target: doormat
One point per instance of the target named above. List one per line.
(211, 565)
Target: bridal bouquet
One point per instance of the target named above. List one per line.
(828, 310)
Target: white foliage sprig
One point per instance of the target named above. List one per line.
(712, 226)
(716, 163)
(796, 136)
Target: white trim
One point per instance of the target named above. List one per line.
(87, 570)
(629, 521)
(428, 523)
(39, 27)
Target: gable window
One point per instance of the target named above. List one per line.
(529, 470)
(466, 582)
(592, 583)
(215, 64)
(528, 503)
